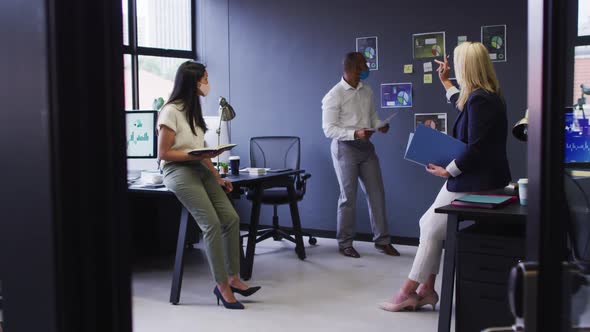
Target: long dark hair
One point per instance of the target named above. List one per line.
(185, 91)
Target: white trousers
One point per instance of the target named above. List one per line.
(433, 231)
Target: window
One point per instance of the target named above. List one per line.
(128, 81)
(164, 24)
(583, 18)
(158, 35)
(582, 51)
(156, 78)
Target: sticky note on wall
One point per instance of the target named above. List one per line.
(427, 78)
(408, 69)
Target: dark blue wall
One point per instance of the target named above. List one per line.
(283, 56)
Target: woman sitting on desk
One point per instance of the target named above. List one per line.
(482, 125)
(196, 182)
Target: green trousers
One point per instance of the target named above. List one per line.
(200, 193)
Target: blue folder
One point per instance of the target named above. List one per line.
(430, 146)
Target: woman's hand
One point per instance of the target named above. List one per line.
(211, 155)
(438, 171)
(443, 69)
(215, 154)
(205, 156)
(363, 134)
(226, 184)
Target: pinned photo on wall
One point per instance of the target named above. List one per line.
(427, 78)
(368, 46)
(436, 121)
(427, 67)
(395, 95)
(428, 45)
(494, 38)
(408, 69)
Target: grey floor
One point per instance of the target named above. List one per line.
(326, 292)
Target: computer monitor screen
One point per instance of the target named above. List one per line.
(577, 137)
(141, 134)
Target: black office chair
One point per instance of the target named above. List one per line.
(577, 192)
(277, 153)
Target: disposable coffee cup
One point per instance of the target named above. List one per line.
(522, 191)
(234, 163)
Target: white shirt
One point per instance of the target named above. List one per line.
(346, 109)
(451, 92)
(173, 117)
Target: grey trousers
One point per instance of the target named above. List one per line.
(197, 189)
(354, 160)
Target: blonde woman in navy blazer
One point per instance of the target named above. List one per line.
(482, 125)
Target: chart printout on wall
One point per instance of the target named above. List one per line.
(428, 45)
(494, 39)
(369, 47)
(396, 95)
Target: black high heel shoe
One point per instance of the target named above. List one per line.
(246, 292)
(235, 305)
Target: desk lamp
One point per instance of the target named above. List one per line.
(226, 113)
(582, 99)
(583, 122)
(520, 129)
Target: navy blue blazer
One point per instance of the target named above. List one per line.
(483, 126)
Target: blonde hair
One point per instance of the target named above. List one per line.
(474, 70)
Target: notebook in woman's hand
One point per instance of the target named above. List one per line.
(216, 149)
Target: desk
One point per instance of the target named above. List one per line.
(256, 183)
(155, 215)
(508, 214)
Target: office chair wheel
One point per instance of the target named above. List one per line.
(313, 241)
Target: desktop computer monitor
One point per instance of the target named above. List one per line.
(141, 134)
(577, 138)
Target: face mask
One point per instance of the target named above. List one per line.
(204, 88)
(365, 74)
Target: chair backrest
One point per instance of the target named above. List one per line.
(275, 152)
(577, 194)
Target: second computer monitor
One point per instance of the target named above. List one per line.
(141, 134)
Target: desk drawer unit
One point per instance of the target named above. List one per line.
(486, 268)
(484, 259)
(482, 306)
(504, 241)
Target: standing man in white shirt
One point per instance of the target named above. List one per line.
(349, 119)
